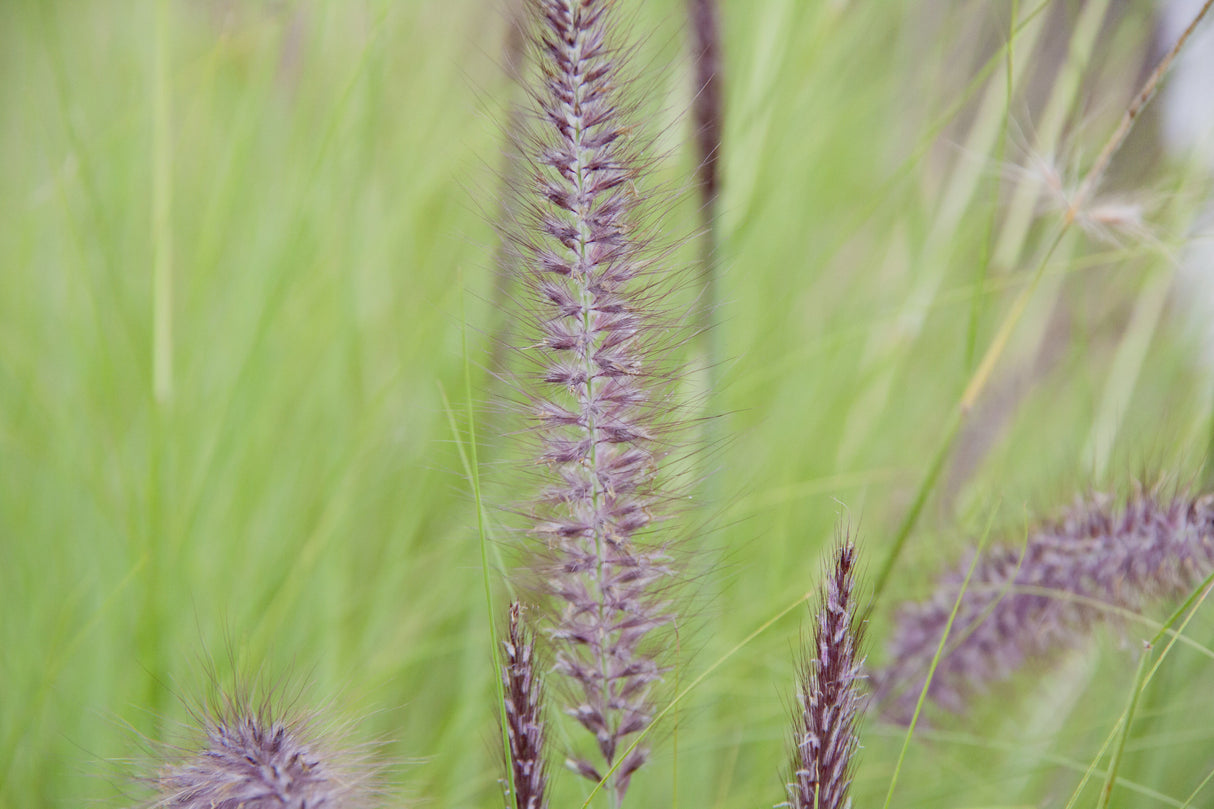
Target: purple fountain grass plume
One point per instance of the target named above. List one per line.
(252, 753)
(830, 701)
(1023, 604)
(600, 400)
(524, 716)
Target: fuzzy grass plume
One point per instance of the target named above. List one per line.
(599, 396)
(1023, 603)
(524, 694)
(246, 751)
(830, 701)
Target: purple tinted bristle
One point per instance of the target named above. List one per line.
(599, 400)
(247, 755)
(830, 698)
(1127, 557)
(525, 725)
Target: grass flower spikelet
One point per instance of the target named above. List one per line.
(247, 755)
(829, 697)
(599, 398)
(524, 716)
(1023, 604)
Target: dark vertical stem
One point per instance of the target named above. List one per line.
(707, 114)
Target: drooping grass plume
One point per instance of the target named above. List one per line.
(830, 698)
(1023, 604)
(247, 751)
(525, 726)
(599, 398)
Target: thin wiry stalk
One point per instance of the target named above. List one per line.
(524, 694)
(707, 108)
(1145, 94)
(707, 112)
(825, 740)
(600, 399)
(1024, 604)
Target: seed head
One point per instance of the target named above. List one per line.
(1023, 604)
(525, 727)
(830, 701)
(246, 755)
(600, 399)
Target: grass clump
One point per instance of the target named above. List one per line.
(228, 317)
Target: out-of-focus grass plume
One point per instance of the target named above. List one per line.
(1027, 603)
(244, 750)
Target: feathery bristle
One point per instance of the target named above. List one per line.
(524, 694)
(1021, 605)
(829, 699)
(600, 400)
(251, 756)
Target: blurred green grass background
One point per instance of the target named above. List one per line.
(296, 499)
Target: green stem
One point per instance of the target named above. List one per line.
(162, 209)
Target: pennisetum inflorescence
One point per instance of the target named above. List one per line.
(1098, 559)
(524, 711)
(598, 396)
(830, 696)
(245, 751)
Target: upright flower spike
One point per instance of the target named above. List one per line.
(830, 701)
(524, 716)
(600, 398)
(251, 755)
(1023, 604)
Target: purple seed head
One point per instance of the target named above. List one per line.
(830, 697)
(1024, 604)
(600, 397)
(524, 695)
(247, 754)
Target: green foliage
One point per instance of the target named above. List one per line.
(299, 500)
